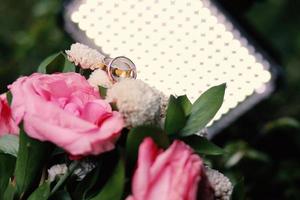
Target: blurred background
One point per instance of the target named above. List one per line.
(262, 146)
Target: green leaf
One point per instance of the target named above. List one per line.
(238, 192)
(175, 118)
(61, 195)
(57, 151)
(7, 165)
(63, 179)
(68, 66)
(9, 144)
(9, 97)
(257, 155)
(138, 134)
(102, 91)
(10, 192)
(113, 106)
(86, 184)
(41, 193)
(31, 158)
(204, 109)
(50, 62)
(185, 104)
(114, 187)
(283, 123)
(56, 63)
(203, 146)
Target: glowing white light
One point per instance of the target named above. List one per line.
(180, 47)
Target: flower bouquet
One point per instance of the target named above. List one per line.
(84, 128)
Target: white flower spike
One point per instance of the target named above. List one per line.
(220, 183)
(137, 102)
(85, 57)
(100, 78)
(57, 170)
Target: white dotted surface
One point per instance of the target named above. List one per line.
(179, 47)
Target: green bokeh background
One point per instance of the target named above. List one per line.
(263, 145)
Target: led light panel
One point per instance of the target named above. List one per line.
(179, 47)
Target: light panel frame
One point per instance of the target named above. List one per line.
(248, 47)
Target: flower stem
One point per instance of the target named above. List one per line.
(62, 180)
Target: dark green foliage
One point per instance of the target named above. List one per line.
(10, 192)
(175, 118)
(56, 63)
(41, 193)
(7, 166)
(61, 195)
(102, 91)
(113, 189)
(30, 31)
(32, 155)
(204, 109)
(203, 146)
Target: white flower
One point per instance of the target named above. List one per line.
(163, 104)
(220, 183)
(84, 168)
(137, 102)
(84, 56)
(100, 78)
(203, 132)
(164, 101)
(57, 170)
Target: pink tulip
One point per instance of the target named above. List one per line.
(173, 174)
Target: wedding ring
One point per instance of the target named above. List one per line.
(120, 68)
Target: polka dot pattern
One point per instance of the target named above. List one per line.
(180, 47)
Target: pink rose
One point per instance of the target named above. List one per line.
(173, 174)
(7, 124)
(65, 110)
